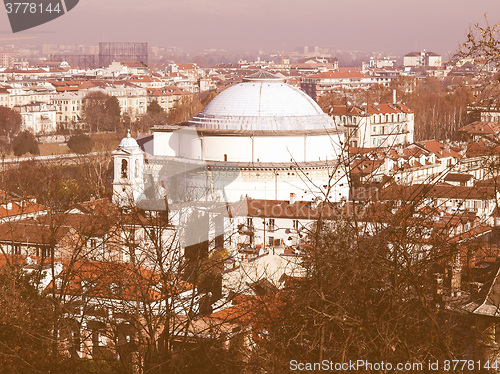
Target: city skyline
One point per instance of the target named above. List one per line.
(390, 26)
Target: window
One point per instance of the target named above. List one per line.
(45, 252)
(124, 169)
(295, 224)
(271, 240)
(271, 225)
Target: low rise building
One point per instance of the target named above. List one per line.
(423, 58)
(167, 97)
(38, 118)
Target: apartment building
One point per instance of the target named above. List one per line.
(376, 125)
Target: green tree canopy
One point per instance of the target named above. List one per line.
(24, 143)
(81, 143)
(10, 122)
(102, 112)
(154, 108)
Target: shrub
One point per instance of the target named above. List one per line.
(81, 143)
(24, 143)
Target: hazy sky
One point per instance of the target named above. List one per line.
(397, 26)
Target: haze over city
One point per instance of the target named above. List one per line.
(392, 26)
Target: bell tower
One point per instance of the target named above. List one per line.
(128, 179)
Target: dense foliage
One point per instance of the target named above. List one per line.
(25, 143)
(10, 122)
(102, 112)
(80, 143)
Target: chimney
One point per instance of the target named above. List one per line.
(292, 198)
(394, 96)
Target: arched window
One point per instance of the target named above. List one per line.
(124, 168)
(137, 168)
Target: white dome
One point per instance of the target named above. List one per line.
(128, 142)
(262, 102)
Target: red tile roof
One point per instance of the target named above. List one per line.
(116, 280)
(166, 91)
(421, 191)
(481, 128)
(439, 149)
(482, 148)
(30, 232)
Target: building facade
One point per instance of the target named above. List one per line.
(376, 125)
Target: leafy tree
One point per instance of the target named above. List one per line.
(185, 109)
(25, 323)
(209, 98)
(102, 112)
(113, 110)
(154, 108)
(24, 143)
(150, 119)
(482, 45)
(10, 122)
(81, 143)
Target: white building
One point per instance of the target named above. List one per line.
(4, 96)
(133, 67)
(380, 63)
(261, 139)
(26, 92)
(376, 125)
(69, 108)
(417, 59)
(38, 118)
(133, 100)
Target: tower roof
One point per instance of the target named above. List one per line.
(128, 143)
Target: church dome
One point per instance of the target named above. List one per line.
(128, 142)
(262, 102)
